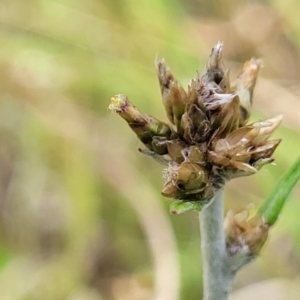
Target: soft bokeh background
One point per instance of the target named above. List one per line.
(81, 215)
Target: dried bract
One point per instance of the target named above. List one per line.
(244, 234)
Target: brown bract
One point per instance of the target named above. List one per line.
(207, 141)
(243, 232)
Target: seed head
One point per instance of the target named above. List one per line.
(207, 142)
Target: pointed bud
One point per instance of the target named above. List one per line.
(215, 76)
(195, 125)
(173, 95)
(164, 74)
(227, 119)
(192, 94)
(215, 58)
(266, 128)
(178, 98)
(265, 149)
(144, 126)
(244, 86)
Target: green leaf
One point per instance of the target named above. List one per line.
(179, 206)
(272, 207)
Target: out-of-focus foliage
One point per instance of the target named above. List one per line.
(81, 216)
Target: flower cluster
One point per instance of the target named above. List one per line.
(207, 141)
(244, 234)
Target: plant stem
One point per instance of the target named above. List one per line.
(217, 274)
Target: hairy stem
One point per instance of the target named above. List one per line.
(217, 274)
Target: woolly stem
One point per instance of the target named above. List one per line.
(217, 274)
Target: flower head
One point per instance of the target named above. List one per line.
(207, 142)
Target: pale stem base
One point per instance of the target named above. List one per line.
(217, 274)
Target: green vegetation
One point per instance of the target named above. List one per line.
(81, 215)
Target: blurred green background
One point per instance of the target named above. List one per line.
(81, 215)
